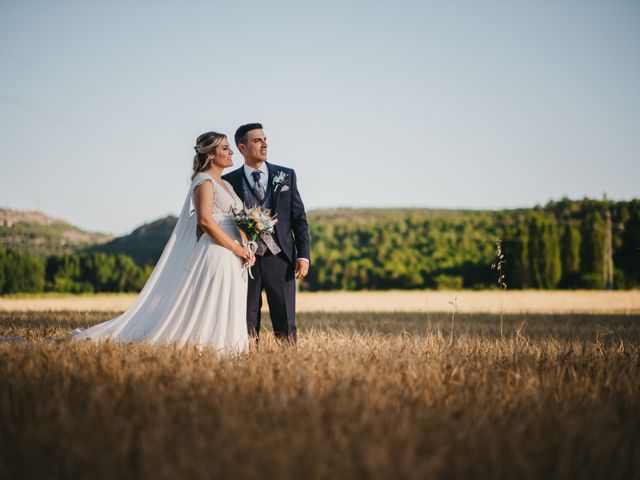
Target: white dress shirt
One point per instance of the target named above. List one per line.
(264, 175)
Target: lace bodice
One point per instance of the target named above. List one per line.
(224, 199)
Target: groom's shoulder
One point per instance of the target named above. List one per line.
(280, 168)
(232, 173)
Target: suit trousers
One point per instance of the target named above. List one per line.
(276, 276)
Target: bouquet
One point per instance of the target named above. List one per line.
(255, 222)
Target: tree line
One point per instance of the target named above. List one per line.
(71, 273)
(587, 244)
(566, 244)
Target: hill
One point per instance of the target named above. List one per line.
(367, 215)
(37, 233)
(144, 244)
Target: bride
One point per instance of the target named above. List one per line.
(197, 293)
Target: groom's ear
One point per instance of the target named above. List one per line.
(241, 148)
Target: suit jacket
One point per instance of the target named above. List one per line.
(292, 229)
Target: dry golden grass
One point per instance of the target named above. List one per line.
(532, 301)
(361, 396)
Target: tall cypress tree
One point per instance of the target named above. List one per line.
(570, 255)
(544, 252)
(516, 253)
(536, 251)
(628, 257)
(592, 250)
(553, 265)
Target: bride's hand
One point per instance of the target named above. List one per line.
(242, 252)
(250, 262)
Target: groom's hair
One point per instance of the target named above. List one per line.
(241, 133)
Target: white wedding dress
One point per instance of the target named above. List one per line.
(196, 294)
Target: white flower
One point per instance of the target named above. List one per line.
(279, 180)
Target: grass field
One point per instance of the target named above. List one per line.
(363, 395)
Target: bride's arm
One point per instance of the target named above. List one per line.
(203, 203)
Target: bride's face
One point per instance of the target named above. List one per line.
(223, 155)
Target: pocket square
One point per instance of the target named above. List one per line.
(284, 188)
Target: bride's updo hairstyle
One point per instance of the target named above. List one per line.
(205, 144)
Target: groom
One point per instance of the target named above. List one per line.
(283, 256)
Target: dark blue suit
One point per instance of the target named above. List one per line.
(276, 273)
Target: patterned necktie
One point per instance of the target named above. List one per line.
(257, 187)
(265, 242)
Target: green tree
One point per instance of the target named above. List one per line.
(592, 250)
(570, 254)
(544, 252)
(553, 267)
(2, 262)
(22, 273)
(628, 256)
(62, 274)
(515, 246)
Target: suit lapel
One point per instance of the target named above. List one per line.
(274, 195)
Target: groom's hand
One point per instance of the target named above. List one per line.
(302, 268)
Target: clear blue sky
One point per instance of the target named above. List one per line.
(436, 104)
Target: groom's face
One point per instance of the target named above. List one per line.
(256, 146)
